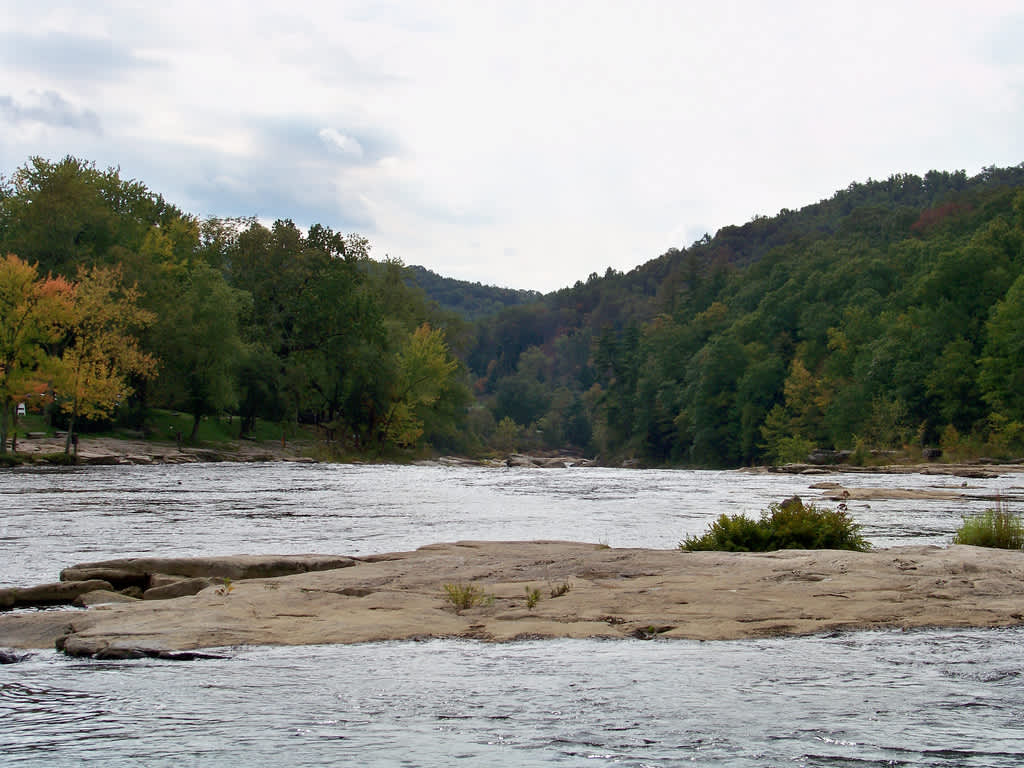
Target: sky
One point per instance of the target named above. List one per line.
(516, 143)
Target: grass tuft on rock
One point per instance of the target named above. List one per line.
(790, 524)
(464, 596)
(997, 528)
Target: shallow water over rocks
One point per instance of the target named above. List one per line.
(925, 698)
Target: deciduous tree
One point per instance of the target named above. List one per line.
(103, 350)
(200, 346)
(425, 371)
(31, 313)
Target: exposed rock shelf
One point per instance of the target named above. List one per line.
(613, 593)
(113, 451)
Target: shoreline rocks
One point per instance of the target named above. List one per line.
(582, 590)
(63, 592)
(970, 471)
(110, 451)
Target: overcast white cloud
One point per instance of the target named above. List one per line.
(520, 143)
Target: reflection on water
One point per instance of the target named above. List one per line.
(932, 698)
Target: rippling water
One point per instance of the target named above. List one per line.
(864, 699)
(926, 698)
(55, 517)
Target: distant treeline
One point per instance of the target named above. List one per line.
(472, 301)
(890, 315)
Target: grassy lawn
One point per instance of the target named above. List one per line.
(33, 422)
(164, 425)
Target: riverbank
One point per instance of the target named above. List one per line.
(542, 590)
(113, 450)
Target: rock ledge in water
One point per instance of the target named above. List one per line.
(140, 571)
(59, 593)
(585, 590)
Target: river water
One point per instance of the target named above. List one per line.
(923, 698)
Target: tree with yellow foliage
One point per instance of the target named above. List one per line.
(425, 371)
(103, 351)
(32, 311)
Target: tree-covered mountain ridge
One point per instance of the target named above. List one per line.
(471, 300)
(881, 317)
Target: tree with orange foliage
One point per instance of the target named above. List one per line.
(103, 350)
(32, 311)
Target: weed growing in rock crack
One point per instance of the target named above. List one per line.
(225, 588)
(557, 590)
(532, 597)
(464, 596)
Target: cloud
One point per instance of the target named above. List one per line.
(449, 133)
(71, 57)
(339, 142)
(51, 109)
(283, 172)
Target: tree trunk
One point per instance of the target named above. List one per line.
(71, 430)
(3, 428)
(196, 418)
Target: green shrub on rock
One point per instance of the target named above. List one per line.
(998, 528)
(787, 525)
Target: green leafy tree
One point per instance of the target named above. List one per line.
(425, 370)
(68, 214)
(1001, 374)
(507, 435)
(525, 396)
(200, 345)
(953, 384)
(715, 408)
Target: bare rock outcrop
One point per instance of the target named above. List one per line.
(581, 590)
(157, 578)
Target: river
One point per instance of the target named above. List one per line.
(923, 698)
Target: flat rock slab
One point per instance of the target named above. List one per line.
(58, 593)
(612, 593)
(837, 492)
(103, 596)
(140, 570)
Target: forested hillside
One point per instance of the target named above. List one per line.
(471, 301)
(888, 316)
